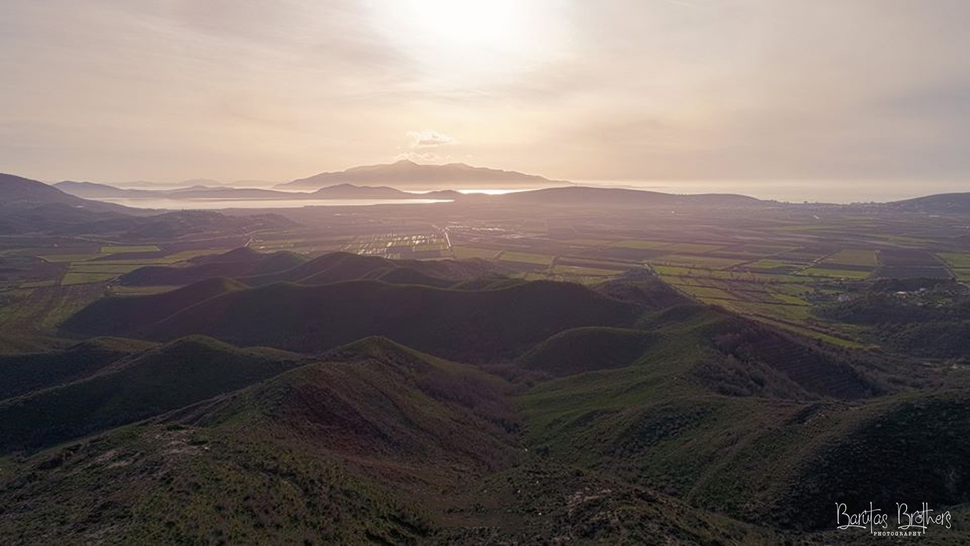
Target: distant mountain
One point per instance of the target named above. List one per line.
(182, 224)
(585, 195)
(29, 206)
(16, 191)
(92, 190)
(407, 174)
(942, 203)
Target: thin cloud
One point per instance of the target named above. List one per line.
(429, 139)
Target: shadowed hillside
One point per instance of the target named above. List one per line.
(382, 401)
(344, 266)
(344, 450)
(23, 373)
(465, 325)
(588, 196)
(587, 349)
(169, 377)
(236, 263)
(29, 206)
(127, 314)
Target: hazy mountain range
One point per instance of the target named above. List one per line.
(409, 175)
(82, 196)
(92, 190)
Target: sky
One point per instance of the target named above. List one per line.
(874, 91)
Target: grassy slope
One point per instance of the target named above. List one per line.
(28, 372)
(587, 349)
(120, 315)
(375, 443)
(763, 452)
(327, 452)
(234, 264)
(343, 266)
(161, 379)
(465, 325)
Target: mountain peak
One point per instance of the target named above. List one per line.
(406, 174)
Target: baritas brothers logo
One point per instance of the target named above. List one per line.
(907, 522)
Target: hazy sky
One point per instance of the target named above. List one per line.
(575, 89)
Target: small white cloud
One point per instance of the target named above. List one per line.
(427, 147)
(422, 140)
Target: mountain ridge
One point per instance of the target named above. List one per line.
(413, 175)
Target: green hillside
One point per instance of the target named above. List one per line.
(169, 377)
(460, 324)
(374, 443)
(124, 315)
(23, 373)
(233, 264)
(344, 266)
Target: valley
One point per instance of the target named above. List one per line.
(488, 370)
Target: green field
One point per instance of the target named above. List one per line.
(469, 252)
(698, 261)
(117, 249)
(527, 258)
(958, 260)
(85, 278)
(860, 257)
(583, 271)
(691, 247)
(589, 242)
(774, 264)
(703, 292)
(64, 258)
(836, 273)
(638, 245)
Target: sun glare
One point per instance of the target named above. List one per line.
(490, 24)
(462, 38)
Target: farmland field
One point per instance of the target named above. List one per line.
(113, 249)
(860, 257)
(527, 257)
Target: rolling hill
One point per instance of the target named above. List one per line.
(16, 191)
(461, 324)
(236, 263)
(23, 373)
(588, 349)
(345, 266)
(742, 436)
(257, 269)
(589, 196)
(464, 325)
(29, 206)
(124, 315)
(157, 380)
(374, 443)
(942, 203)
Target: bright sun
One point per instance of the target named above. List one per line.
(491, 24)
(465, 38)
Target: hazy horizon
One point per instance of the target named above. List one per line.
(621, 90)
(794, 191)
